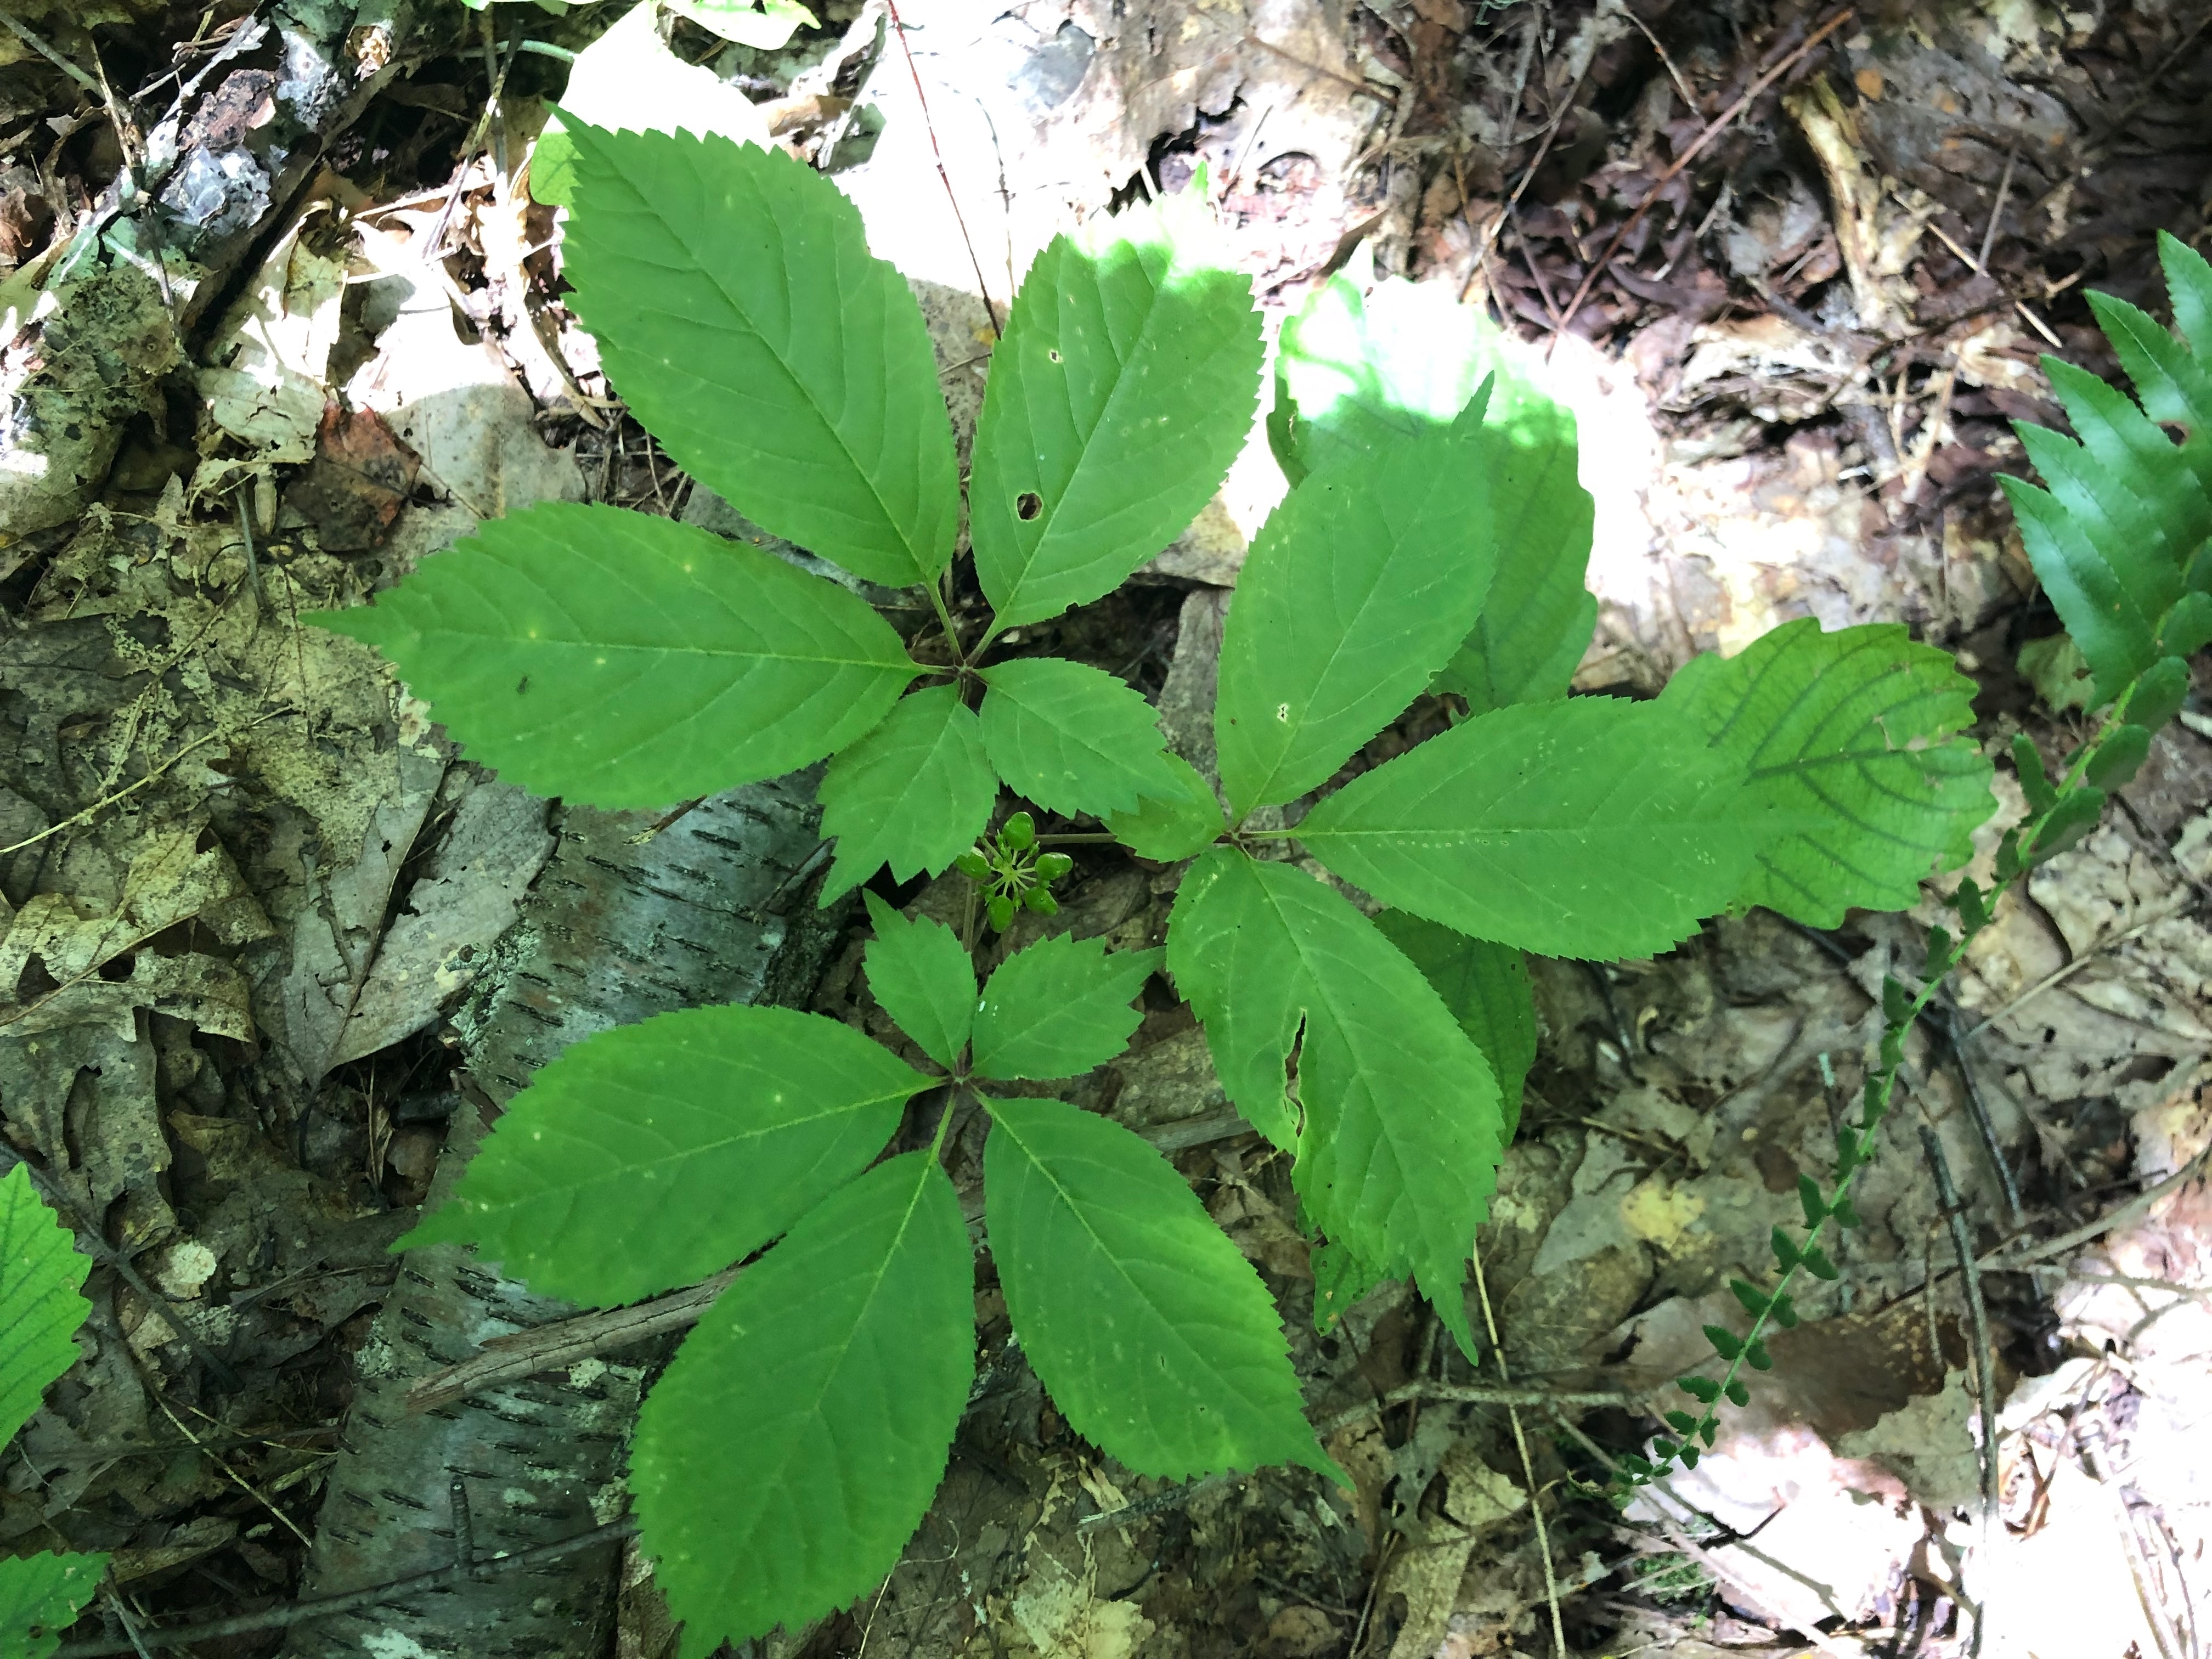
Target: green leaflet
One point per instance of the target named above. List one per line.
(1592, 828)
(653, 1155)
(41, 1306)
(2117, 537)
(1122, 390)
(1169, 829)
(767, 26)
(40, 1301)
(1485, 986)
(1073, 739)
(1154, 1336)
(913, 793)
(628, 78)
(740, 312)
(1848, 733)
(40, 1596)
(1355, 376)
(1400, 1137)
(1059, 1008)
(923, 979)
(785, 1458)
(627, 660)
(1357, 591)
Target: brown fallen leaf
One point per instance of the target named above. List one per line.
(359, 478)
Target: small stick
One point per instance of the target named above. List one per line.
(300, 1613)
(1528, 1464)
(929, 126)
(1996, 209)
(95, 1242)
(1977, 267)
(1689, 98)
(2006, 1259)
(1955, 1211)
(1465, 1393)
(1720, 124)
(121, 1609)
(1704, 1557)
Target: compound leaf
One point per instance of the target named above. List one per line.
(1059, 1008)
(914, 793)
(1123, 389)
(1358, 590)
(627, 660)
(40, 1596)
(40, 1301)
(1397, 1123)
(1851, 732)
(1152, 1334)
(785, 1457)
(1593, 826)
(1172, 828)
(740, 315)
(1486, 987)
(629, 78)
(1073, 739)
(924, 980)
(1355, 375)
(653, 1155)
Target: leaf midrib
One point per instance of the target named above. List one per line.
(806, 395)
(1001, 1125)
(629, 1171)
(1367, 601)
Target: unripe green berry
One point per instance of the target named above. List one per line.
(1018, 832)
(1001, 911)
(1042, 902)
(973, 864)
(1051, 866)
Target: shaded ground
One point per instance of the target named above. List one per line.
(257, 914)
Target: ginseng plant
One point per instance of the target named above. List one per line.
(1366, 1006)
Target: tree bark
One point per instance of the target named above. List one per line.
(710, 910)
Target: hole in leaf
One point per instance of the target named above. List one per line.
(1028, 505)
(1054, 353)
(118, 968)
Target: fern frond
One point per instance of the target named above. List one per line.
(2118, 534)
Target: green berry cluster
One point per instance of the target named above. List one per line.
(1013, 874)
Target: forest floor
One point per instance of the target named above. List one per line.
(1792, 266)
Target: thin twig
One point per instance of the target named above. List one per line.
(1689, 98)
(2008, 1258)
(231, 1474)
(1986, 1390)
(323, 1606)
(1720, 124)
(124, 1616)
(1704, 1557)
(1984, 1125)
(1527, 1463)
(1473, 1395)
(929, 126)
(565, 1341)
(95, 1241)
(125, 793)
(2059, 975)
(1979, 270)
(1997, 209)
(1489, 238)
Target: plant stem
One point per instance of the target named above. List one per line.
(944, 621)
